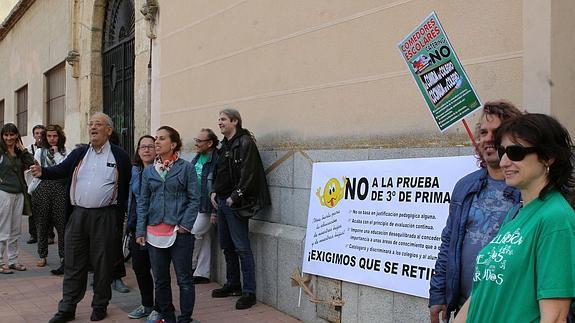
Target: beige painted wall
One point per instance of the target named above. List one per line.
(562, 63)
(5, 7)
(323, 73)
(549, 68)
(44, 36)
(37, 43)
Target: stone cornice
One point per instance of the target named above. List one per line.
(17, 12)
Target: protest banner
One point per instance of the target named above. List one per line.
(438, 73)
(378, 223)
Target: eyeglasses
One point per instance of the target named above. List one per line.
(198, 140)
(96, 124)
(515, 152)
(150, 147)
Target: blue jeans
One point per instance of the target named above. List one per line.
(180, 254)
(235, 241)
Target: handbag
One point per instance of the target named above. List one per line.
(27, 209)
(126, 250)
(27, 205)
(32, 181)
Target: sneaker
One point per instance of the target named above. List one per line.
(155, 317)
(226, 291)
(140, 311)
(246, 301)
(32, 240)
(119, 286)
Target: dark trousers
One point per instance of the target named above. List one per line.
(49, 209)
(142, 268)
(32, 227)
(90, 238)
(119, 270)
(33, 231)
(180, 255)
(235, 241)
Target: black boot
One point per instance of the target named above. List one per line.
(227, 290)
(60, 270)
(62, 317)
(246, 301)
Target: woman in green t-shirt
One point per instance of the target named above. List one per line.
(527, 272)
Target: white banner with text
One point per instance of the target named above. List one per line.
(379, 223)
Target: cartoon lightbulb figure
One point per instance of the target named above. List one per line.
(332, 192)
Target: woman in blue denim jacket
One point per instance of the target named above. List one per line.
(167, 208)
(144, 156)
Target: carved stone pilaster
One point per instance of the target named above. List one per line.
(73, 59)
(150, 12)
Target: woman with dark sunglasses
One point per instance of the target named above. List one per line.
(527, 272)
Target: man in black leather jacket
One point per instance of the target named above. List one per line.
(240, 187)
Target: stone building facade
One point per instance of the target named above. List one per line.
(314, 80)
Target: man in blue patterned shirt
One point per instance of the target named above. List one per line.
(479, 203)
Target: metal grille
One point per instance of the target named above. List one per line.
(118, 70)
(56, 100)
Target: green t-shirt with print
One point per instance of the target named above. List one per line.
(532, 257)
(199, 166)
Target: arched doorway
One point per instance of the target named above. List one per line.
(118, 69)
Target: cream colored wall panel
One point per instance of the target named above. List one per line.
(5, 7)
(261, 23)
(253, 24)
(498, 80)
(562, 78)
(59, 34)
(177, 14)
(347, 52)
(335, 115)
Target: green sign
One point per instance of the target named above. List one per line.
(438, 73)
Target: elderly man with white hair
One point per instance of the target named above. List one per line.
(98, 177)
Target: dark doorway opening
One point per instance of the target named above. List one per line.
(118, 70)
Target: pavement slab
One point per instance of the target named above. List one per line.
(32, 296)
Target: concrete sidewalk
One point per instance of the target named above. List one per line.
(33, 295)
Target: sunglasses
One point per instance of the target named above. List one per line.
(515, 152)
